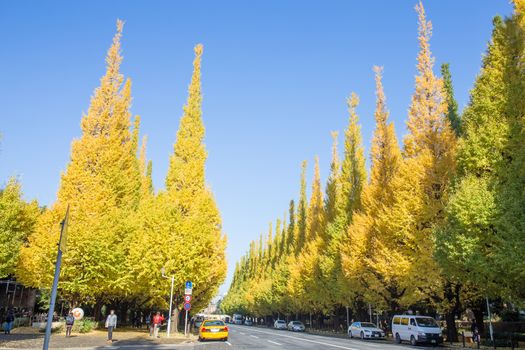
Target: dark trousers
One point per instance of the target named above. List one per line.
(110, 333)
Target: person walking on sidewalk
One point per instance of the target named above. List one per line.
(70, 320)
(157, 321)
(111, 324)
(9, 319)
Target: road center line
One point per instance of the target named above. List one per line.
(303, 339)
(254, 336)
(242, 333)
(229, 344)
(274, 342)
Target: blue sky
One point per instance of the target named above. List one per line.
(275, 78)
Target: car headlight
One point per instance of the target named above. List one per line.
(421, 334)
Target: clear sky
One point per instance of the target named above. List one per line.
(275, 78)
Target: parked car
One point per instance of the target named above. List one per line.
(279, 324)
(248, 322)
(365, 330)
(416, 329)
(296, 326)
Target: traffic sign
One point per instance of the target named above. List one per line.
(187, 306)
(187, 298)
(78, 313)
(188, 291)
(189, 285)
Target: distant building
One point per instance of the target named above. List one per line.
(16, 295)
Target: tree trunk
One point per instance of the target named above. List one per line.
(452, 332)
(478, 314)
(97, 311)
(176, 319)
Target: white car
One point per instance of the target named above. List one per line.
(296, 326)
(279, 324)
(416, 329)
(365, 330)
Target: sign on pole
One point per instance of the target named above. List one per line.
(78, 313)
(188, 288)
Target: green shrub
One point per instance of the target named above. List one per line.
(84, 326)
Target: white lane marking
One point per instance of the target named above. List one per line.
(306, 340)
(254, 336)
(273, 342)
(242, 333)
(373, 345)
(229, 344)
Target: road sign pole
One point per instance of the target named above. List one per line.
(186, 324)
(61, 244)
(52, 301)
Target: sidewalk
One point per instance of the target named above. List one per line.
(29, 338)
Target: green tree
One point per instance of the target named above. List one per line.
(452, 105)
(17, 222)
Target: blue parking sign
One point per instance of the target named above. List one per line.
(189, 285)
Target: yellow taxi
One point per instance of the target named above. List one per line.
(213, 329)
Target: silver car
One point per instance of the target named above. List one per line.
(279, 324)
(365, 330)
(296, 326)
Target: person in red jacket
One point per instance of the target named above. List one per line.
(157, 322)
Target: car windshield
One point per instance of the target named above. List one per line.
(213, 323)
(280, 321)
(297, 323)
(426, 322)
(368, 325)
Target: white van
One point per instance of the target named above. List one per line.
(416, 329)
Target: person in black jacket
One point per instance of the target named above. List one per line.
(9, 319)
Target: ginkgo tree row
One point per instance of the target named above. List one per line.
(121, 233)
(436, 225)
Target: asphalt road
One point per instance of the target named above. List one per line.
(243, 337)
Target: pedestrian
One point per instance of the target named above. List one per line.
(70, 320)
(475, 332)
(149, 323)
(111, 324)
(9, 319)
(157, 322)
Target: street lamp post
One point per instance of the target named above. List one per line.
(163, 270)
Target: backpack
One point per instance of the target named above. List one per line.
(70, 320)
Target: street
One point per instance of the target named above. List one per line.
(243, 337)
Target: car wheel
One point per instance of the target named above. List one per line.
(362, 335)
(226, 339)
(398, 339)
(413, 341)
